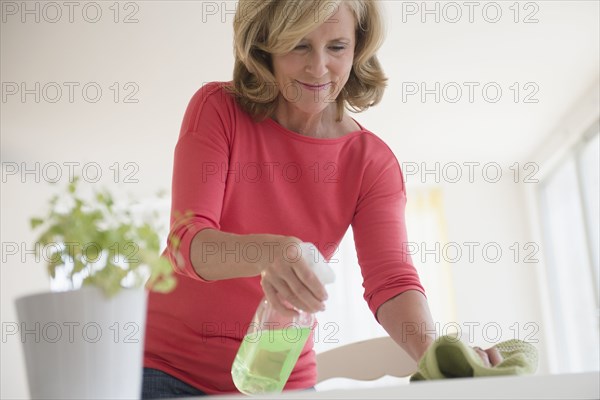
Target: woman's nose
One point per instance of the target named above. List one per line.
(317, 64)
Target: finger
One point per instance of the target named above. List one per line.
(310, 280)
(494, 356)
(484, 356)
(287, 291)
(304, 296)
(288, 284)
(299, 263)
(276, 303)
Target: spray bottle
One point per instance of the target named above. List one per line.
(273, 342)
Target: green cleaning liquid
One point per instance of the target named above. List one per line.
(266, 359)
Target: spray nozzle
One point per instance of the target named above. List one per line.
(317, 262)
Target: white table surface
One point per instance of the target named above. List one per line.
(568, 386)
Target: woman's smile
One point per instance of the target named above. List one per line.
(315, 87)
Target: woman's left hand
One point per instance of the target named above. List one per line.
(491, 357)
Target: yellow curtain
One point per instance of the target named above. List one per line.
(427, 236)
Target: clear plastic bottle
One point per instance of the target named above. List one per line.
(273, 343)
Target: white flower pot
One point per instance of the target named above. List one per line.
(82, 345)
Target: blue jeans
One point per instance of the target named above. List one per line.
(159, 385)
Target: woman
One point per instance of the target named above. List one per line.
(271, 160)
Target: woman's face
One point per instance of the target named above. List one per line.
(322, 59)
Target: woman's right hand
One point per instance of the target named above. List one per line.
(490, 357)
(286, 278)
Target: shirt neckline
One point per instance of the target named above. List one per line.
(311, 139)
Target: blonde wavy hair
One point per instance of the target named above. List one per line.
(265, 27)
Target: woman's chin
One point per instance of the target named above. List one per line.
(314, 108)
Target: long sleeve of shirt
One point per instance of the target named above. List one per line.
(239, 176)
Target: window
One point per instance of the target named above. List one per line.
(568, 201)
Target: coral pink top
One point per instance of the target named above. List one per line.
(243, 177)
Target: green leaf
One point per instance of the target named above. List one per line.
(73, 185)
(35, 222)
(164, 285)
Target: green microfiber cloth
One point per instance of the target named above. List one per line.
(448, 357)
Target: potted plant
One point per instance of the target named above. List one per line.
(87, 342)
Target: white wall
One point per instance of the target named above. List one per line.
(497, 293)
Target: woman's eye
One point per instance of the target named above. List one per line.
(304, 47)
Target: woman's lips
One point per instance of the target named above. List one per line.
(315, 87)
